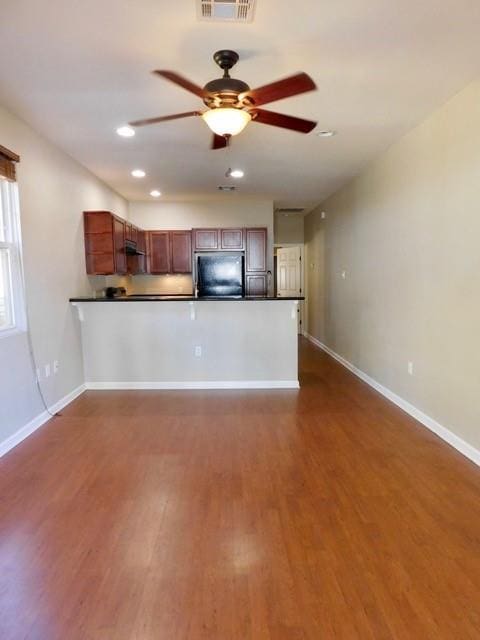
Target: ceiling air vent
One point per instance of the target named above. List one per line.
(226, 10)
(290, 210)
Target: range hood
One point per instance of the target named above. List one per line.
(131, 248)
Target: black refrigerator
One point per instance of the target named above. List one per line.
(220, 275)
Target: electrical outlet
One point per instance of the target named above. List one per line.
(410, 368)
(198, 351)
(56, 366)
(47, 370)
(323, 215)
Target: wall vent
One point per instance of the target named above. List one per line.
(226, 10)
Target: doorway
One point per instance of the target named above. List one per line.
(289, 276)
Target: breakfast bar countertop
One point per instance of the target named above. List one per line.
(180, 298)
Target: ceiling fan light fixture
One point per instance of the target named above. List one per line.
(226, 121)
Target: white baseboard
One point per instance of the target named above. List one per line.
(214, 384)
(38, 421)
(460, 445)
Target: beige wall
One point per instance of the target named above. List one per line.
(54, 190)
(406, 231)
(314, 265)
(288, 228)
(188, 215)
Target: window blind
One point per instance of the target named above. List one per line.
(7, 163)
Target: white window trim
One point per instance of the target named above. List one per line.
(9, 195)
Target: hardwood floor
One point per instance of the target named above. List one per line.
(318, 514)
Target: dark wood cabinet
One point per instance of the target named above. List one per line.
(231, 239)
(218, 239)
(256, 285)
(170, 252)
(159, 252)
(181, 251)
(256, 255)
(119, 246)
(99, 242)
(256, 281)
(206, 239)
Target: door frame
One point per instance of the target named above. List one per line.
(280, 245)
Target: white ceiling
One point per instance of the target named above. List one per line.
(76, 70)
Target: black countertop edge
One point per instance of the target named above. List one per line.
(145, 298)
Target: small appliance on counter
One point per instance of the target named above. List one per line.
(115, 292)
(220, 275)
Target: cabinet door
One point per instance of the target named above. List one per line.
(256, 285)
(100, 264)
(119, 246)
(256, 252)
(181, 251)
(159, 252)
(141, 241)
(231, 239)
(205, 239)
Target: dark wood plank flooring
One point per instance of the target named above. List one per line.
(321, 514)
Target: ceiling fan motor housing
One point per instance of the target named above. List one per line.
(225, 91)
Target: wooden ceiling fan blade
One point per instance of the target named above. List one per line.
(181, 82)
(175, 116)
(281, 120)
(292, 86)
(219, 142)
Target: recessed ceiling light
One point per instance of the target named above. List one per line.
(156, 193)
(234, 173)
(126, 132)
(326, 134)
(138, 173)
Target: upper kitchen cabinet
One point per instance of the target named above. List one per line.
(256, 261)
(159, 252)
(219, 239)
(170, 252)
(232, 239)
(181, 251)
(206, 239)
(256, 249)
(119, 246)
(104, 243)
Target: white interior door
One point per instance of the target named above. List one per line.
(289, 274)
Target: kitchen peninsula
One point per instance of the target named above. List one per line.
(230, 334)
(158, 342)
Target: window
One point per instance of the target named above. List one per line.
(11, 288)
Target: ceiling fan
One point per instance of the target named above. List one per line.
(232, 104)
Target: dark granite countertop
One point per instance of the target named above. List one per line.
(180, 298)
